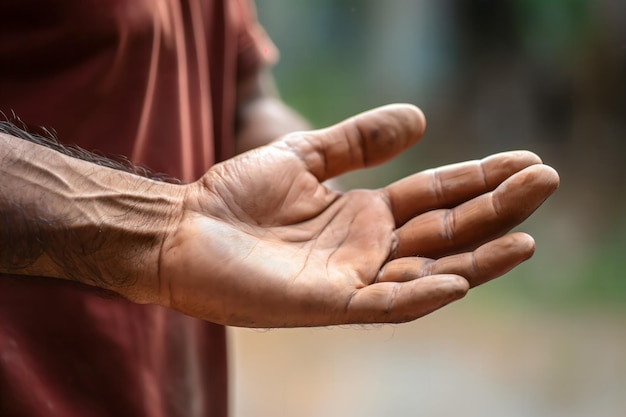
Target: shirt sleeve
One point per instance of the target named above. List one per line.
(255, 48)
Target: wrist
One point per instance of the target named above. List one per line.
(139, 218)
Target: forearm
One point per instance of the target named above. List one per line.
(67, 218)
(265, 120)
(261, 115)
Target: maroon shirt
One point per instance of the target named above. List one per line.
(154, 80)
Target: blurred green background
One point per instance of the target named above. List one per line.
(549, 338)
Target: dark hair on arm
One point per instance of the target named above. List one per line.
(28, 231)
(15, 127)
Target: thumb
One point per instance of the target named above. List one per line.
(365, 140)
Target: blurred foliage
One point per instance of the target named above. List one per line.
(491, 75)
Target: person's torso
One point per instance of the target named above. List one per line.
(155, 81)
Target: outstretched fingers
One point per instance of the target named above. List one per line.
(487, 262)
(450, 185)
(446, 231)
(361, 141)
(409, 288)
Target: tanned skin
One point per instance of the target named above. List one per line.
(260, 241)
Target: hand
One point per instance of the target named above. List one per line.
(260, 242)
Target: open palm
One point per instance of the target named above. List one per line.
(261, 242)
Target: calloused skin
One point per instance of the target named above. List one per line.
(259, 241)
